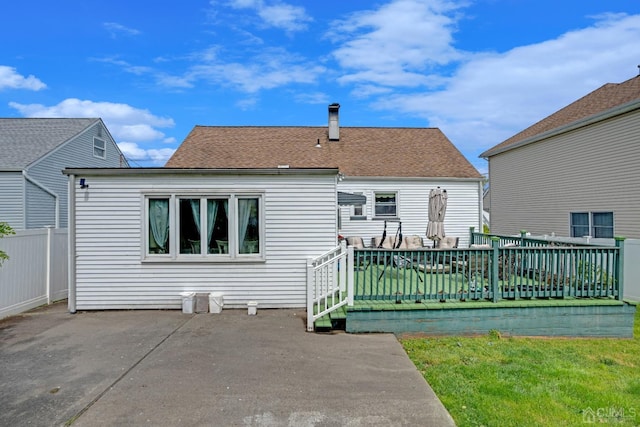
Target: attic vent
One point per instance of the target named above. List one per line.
(334, 124)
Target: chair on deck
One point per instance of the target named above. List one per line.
(447, 242)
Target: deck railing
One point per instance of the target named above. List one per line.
(500, 268)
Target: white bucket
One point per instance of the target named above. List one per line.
(188, 302)
(216, 302)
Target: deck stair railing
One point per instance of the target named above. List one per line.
(329, 283)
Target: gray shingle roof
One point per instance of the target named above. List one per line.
(361, 151)
(23, 141)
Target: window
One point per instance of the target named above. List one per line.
(594, 224)
(358, 211)
(203, 227)
(386, 205)
(99, 148)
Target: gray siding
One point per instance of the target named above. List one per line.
(300, 222)
(77, 152)
(41, 207)
(594, 168)
(12, 199)
(463, 209)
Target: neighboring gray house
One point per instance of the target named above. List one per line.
(574, 173)
(33, 153)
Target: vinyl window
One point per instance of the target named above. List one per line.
(594, 224)
(99, 148)
(386, 205)
(203, 227)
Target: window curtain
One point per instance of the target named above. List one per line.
(244, 213)
(212, 213)
(195, 210)
(159, 221)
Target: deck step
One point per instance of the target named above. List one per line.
(334, 321)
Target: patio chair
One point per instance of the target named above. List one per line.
(447, 242)
(355, 241)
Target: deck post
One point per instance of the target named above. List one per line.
(619, 267)
(495, 260)
(350, 267)
(523, 234)
(310, 295)
(471, 236)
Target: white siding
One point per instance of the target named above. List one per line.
(593, 168)
(12, 199)
(300, 222)
(77, 152)
(463, 209)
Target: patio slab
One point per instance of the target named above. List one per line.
(168, 368)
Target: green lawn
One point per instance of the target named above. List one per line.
(499, 381)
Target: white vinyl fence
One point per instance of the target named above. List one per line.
(632, 269)
(36, 271)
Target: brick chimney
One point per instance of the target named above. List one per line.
(334, 124)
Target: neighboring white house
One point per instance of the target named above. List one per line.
(33, 153)
(139, 237)
(574, 173)
(394, 168)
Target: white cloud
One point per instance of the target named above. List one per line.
(493, 96)
(116, 29)
(285, 16)
(276, 14)
(312, 98)
(129, 126)
(10, 79)
(396, 44)
(270, 69)
(157, 157)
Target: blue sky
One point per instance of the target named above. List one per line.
(479, 70)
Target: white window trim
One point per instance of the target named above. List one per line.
(174, 254)
(103, 148)
(374, 214)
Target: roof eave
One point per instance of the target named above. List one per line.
(199, 171)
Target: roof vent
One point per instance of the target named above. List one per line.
(283, 166)
(334, 125)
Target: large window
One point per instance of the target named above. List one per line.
(196, 227)
(594, 224)
(386, 205)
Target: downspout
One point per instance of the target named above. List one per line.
(46, 190)
(71, 297)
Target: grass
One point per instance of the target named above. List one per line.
(497, 381)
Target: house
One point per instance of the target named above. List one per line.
(393, 168)
(573, 173)
(239, 211)
(141, 236)
(34, 152)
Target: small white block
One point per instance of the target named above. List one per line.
(252, 308)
